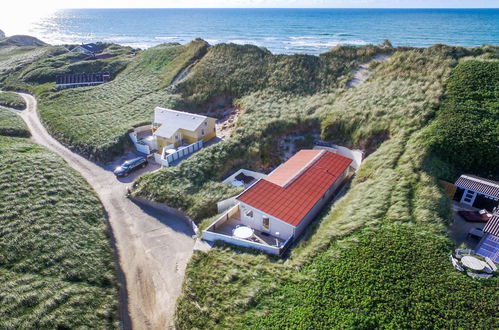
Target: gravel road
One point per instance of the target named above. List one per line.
(153, 247)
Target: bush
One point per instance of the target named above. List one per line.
(466, 132)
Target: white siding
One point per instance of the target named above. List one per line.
(284, 229)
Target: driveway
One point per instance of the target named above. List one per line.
(459, 228)
(153, 247)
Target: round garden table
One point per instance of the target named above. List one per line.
(237, 183)
(243, 232)
(472, 262)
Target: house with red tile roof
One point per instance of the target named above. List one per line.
(278, 208)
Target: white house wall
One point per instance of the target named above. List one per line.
(284, 229)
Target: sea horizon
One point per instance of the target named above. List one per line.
(280, 30)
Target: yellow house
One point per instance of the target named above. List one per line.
(172, 127)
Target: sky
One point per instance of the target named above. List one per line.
(56, 4)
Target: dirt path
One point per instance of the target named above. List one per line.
(362, 72)
(153, 247)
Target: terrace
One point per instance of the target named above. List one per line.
(223, 230)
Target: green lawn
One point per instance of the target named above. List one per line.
(12, 100)
(56, 260)
(12, 125)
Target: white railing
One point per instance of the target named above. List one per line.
(181, 152)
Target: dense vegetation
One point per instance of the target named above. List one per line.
(232, 71)
(56, 261)
(283, 105)
(12, 125)
(96, 119)
(12, 100)
(379, 257)
(466, 132)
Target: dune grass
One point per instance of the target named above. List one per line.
(12, 125)
(56, 260)
(12, 100)
(370, 263)
(379, 257)
(13, 58)
(94, 121)
(402, 95)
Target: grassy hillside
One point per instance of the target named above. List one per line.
(39, 77)
(271, 106)
(468, 123)
(56, 261)
(379, 257)
(233, 71)
(12, 100)
(12, 125)
(13, 58)
(94, 120)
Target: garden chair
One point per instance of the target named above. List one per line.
(491, 264)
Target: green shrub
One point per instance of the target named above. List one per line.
(466, 132)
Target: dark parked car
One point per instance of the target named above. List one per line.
(130, 165)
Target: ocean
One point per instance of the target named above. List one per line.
(283, 31)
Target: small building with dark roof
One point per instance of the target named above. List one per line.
(477, 192)
(81, 79)
(88, 49)
(489, 244)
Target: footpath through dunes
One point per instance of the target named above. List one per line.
(153, 247)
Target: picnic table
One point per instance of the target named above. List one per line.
(473, 263)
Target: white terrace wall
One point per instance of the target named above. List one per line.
(355, 155)
(212, 237)
(226, 204)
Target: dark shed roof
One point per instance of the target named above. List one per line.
(478, 184)
(94, 48)
(492, 226)
(76, 78)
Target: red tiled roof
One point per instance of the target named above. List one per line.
(281, 175)
(292, 202)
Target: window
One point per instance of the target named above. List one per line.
(176, 137)
(202, 132)
(249, 214)
(205, 123)
(266, 223)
